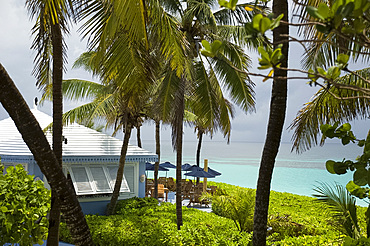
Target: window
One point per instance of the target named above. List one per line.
(113, 174)
(99, 179)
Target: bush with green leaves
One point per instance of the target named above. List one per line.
(24, 203)
(238, 206)
(156, 225)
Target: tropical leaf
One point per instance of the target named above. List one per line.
(325, 109)
(343, 207)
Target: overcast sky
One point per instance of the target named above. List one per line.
(17, 58)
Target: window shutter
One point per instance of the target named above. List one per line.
(129, 174)
(99, 179)
(113, 174)
(81, 180)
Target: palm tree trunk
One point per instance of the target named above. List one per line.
(274, 130)
(54, 216)
(200, 139)
(121, 167)
(36, 141)
(178, 132)
(158, 152)
(138, 136)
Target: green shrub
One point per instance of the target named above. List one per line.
(24, 204)
(238, 206)
(135, 204)
(158, 227)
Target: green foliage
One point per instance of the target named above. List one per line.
(294, 219)
(346, 16)
(230, 5)
(146, 224)
(24, 204)
(238, 206)
(343, 206)
(135, 205)
(211, 50)
(270, 59)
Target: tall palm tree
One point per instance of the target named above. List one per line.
(36, 141)
(178, 33)
(52, 21)
(204, 76)
(118, 103)
(274, 128)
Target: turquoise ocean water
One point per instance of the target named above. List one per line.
(239, 164)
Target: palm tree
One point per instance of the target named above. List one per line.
(36, 141)
(274, 128)
(117, 102)
(204, 76)
(52, 21)
(177, 33)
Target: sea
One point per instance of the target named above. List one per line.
(239, 164)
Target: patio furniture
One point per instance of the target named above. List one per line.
(171, 184)
(162, 192)
(195, 198)
(186, 190)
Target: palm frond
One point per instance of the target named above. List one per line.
(235, 82)
(325, 109)
(343, 206)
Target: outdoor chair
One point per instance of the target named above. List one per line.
(161, 191)
(186, 190)
(171, 184)
(195, 198)
(162, 180)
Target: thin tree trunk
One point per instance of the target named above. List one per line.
(200, 139)
(158, 152)
(274, 130)
(54, 216)
(138, 136)
(121, 167)
(179, 134)
(36, 141)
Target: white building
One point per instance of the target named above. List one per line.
(89, 157)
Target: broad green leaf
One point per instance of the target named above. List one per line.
(330, 166)
(348, 8)
(276, 22)
(264, 54)
(360, 176)
(323, 10)
(215, 46)
(314, 12)
(340, 168)
(206, 45)
(342, 58)
(256, 21)
(321, 71)
(356, 190)
(264, 24)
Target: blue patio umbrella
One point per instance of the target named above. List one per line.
(148, 166)
(167, 165)
(159, 168)
(199, 173)
(213, 172)
(185, 166)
